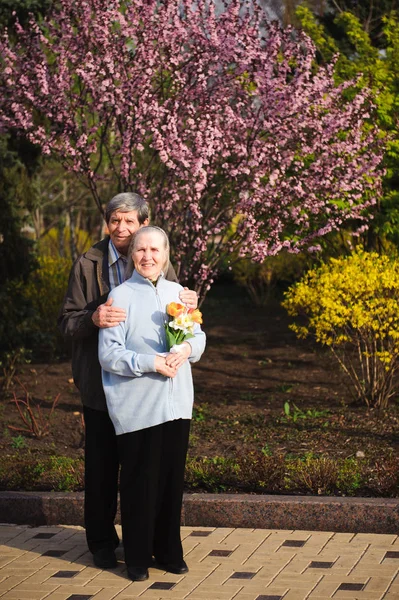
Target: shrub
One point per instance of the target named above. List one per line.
(249, 472)
(260, 472)
(254, 472)
(18, 161)
(322, 475)
(65, 474)
(351, 305)
(58, 243)
(351, 476)
(30, 310)
(16, 314)
(10, 361)
(45, 291)
(23, 471)
(384, 477)
(261, 280)
(316, 475)
(33, 420)
(212, 474)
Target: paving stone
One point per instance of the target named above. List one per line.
(35, 589)
(374, 571)
(275, 590)
(28, 595)
(269, 597)
(391, 554)
(293, 581)
(379, 584)
(320, 564)
(293, 543)
(245, 596)
(296, 595)
(357, 596)
(10, 582)
(249, 564)
(66, 592)
(206, 594)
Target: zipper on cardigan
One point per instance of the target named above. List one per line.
(172, 412)
(164, 320)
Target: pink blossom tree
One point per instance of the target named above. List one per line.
(218, 119)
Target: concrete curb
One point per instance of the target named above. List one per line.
(310, 513)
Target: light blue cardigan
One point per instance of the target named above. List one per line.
(137, 396)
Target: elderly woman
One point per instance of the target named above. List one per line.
(149, 395)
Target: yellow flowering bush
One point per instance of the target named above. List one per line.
(50, 244)
(45, 290)
(351, 305)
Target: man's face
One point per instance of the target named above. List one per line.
(121, 227)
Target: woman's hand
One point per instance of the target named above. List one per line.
(189, 298)
(176, 359)
(164, 369)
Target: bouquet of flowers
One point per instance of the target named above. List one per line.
(180, 326)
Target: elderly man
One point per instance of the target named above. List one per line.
(85, 310)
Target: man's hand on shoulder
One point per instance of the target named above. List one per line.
(189, 298)
(107, 315)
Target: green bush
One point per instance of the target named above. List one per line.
(260, 472)
(383, 479)
(253, 472)
(316, 475)
(22, 471)
(58, 243)
(321, 475)
(351, 305)
(30, 308)
(18, 161)
(262, 280)
(15, 323)
(44, 292)
(211, 474)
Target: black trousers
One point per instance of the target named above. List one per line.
(101, 480)
(151, 491)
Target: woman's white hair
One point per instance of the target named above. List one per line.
(133, 242)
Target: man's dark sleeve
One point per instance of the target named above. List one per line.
(171, 274)
(75, 316)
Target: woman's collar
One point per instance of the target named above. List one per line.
(137, 277)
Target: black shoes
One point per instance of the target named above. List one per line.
(141, 573)
(137, 573)
(105, 559)
(177, 569)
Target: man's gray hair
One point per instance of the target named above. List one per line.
(147, 229)
(126, 202)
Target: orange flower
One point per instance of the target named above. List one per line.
(196, 315)
(174, 309)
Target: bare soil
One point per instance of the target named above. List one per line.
(252, 366)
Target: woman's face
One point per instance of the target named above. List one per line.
(149, 255)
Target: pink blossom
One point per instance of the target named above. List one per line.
(192, 108)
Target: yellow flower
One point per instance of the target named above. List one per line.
(174, 309)
(196, 315)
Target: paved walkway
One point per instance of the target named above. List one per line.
(53, 563)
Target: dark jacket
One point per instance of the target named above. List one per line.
(88, 287)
